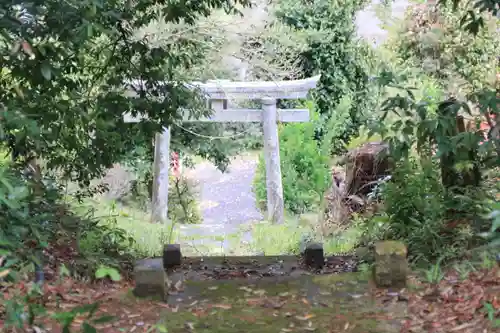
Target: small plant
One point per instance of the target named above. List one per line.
(182, 205)
(491, 312)
(487, 261)
(434, 274)
(464, 269)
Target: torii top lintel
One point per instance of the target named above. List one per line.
(224, 89)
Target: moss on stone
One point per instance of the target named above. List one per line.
(391, 266)
(390, 247)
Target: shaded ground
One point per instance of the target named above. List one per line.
(253, 268)
(311, 303)
(315, 303)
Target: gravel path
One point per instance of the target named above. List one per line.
(226, 199)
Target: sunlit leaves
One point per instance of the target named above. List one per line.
(471, 21)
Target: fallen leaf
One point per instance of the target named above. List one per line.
(163, 305)
(222, 306)
(246, 318)
(274, 304)
(178, 285)
(254, 301)
(133, 316)
(306, 317)
(259, 292)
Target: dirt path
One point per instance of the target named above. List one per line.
(226, 199)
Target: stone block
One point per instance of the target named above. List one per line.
(172, 256)
(391, 265)
(314, 255)
(150, 279)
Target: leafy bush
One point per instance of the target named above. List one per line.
(416, 209)
(305, 168)
(104, 243)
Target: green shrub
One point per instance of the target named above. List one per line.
(416, 211)
(304, 167)
(104, 243)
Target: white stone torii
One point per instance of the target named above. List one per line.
(217, 91)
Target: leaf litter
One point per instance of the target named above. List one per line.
(470, 305)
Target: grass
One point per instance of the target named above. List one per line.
(272, 239)
(344, 242)
(149, 237)
(266, 238)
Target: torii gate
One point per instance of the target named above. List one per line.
(217, 92)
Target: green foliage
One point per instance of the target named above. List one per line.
(148, 237)
(110, 272)
(34, 219)
(490, 312)
(104, 242)
(435, 273)
(334, 51)
(336, 126)
(183, 206)
(63, 81)
(362, 138)
(493, 235)
(25, 218)
(182, 203)
(436, 198)
(416, 209)
(470, 20)
(432, 42)
(272, 239)
(304, 167)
